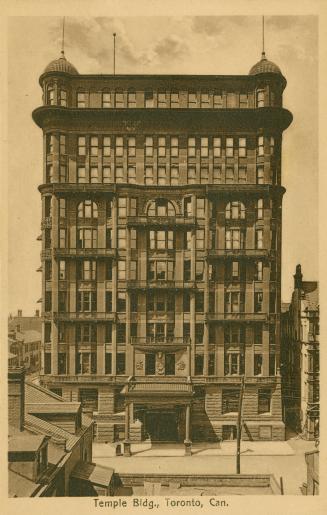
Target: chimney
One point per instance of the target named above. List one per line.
(19, 313)
(298, 277)
(16, 397)
(37, 312)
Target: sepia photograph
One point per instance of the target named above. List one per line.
(163, 304)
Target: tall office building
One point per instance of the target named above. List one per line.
(161, 250)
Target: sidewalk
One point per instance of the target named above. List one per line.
(146, 449)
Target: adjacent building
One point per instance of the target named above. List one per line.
(50, 444)
(26, 346)
(300, 358)
(161, 250)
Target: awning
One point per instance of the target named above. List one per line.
(95, 474)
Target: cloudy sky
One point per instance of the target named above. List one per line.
(190, 45)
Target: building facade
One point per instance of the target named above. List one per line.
(300, 358)
(161, 250)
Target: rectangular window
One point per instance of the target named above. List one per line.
(121, 333)
(216, 147)
(199, 363)
(148, 175)
(106, 146)
(121, 270)
(217, 178)
(81, 145)
(243, 100)
(258, 271)
(242, 173)
(50, 174)
(174, 99)
(62, 238)
(211, 364)
(174, 146)
(191, 175)
(131, 145)
(205, 100)
(108, 363)
(204, 175)
(148, 146)
(272, 145)
(131, 99)
(259, 239)
(187, 270)
(122, 207)
(120, 365)
(108, 302)
(242, 147)
(231, 100)
(106, 99)
(63, 97)
(260, 146)
(119, 172)
(260, 98)
(119, 146)
(131, 174)
(162, 100)
(258, 301)
(62, 269)
(200, 207)
(148, 99)
(161, 146)
(94, 146)
(199, 239)
(257, 365)
(109, 270)
(62, 208)
(188, 240)
(258, 334)
(199, 270)
(106, 174)
(162, 175)
(260, 175)
(121, 238)
(47, 362)
(234, 239)
(87, 239)
(217, 101)
(229, 147)
(199, 302)
(119, 99)
(63, 174)
(230, 401)
(229, 175)
(174, 176)
(199, 332)
(191, 147)
(192, 100)
(94, 175)
(264, 400)
(121, 302)
(81, 99)
(81, 175)
(259, 209)
(204, 150)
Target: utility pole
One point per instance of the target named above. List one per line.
(239, 428)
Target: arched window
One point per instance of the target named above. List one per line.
(235, 210)
(87, 209)
(50, 95)
(161, 207)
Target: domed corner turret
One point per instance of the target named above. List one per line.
(265, 66)
(61, 65)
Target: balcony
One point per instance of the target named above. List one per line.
(168, 221)
(246, 253)
(46, 223)
(46, 254)
(79, 378)
(236, 380)
(158, 386)
(95, 252)
(94, 316)
(251, 317)
(160, 342)
(160, 284)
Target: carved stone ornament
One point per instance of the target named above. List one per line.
(139, 365)
(181, 365)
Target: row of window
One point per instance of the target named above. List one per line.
(161, 176)
(235, 239)
(85, 363)
(162, 99)
(86, 301)
(88, 209)
(104, 145)
(86, 270)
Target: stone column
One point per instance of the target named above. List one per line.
(127, 444)
(187, 441)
